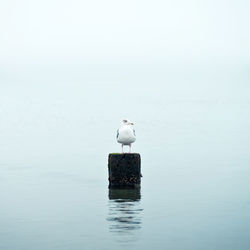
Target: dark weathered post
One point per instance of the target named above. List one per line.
(124, 170)
(125, 194)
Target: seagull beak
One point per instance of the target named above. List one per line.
(131, 123)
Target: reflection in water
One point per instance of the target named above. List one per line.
(124, 211)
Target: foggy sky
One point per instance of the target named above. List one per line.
(131, 33)
(69, 65)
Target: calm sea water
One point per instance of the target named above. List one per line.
(53, 174)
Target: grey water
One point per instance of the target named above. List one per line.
(194, 145)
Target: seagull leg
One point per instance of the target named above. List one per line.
(122, 149)
(129, 148)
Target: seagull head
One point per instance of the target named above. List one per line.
(127, 122)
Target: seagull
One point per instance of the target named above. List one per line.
(126, 134)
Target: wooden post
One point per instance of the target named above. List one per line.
(125, 194)
(124, 170)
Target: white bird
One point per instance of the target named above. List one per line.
(126, 134)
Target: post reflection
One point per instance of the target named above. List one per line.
(124, 210)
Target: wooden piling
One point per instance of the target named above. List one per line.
(125, 194)
(124, 170)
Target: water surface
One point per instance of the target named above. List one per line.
(54, 183)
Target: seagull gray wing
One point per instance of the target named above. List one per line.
(117, 135)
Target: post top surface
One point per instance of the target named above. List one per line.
(124, 156)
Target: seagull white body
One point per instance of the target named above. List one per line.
(126, 134)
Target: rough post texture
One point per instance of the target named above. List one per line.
(124, 170)
(125, 194)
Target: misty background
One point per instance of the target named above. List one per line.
(71, 70)
(66, 65)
